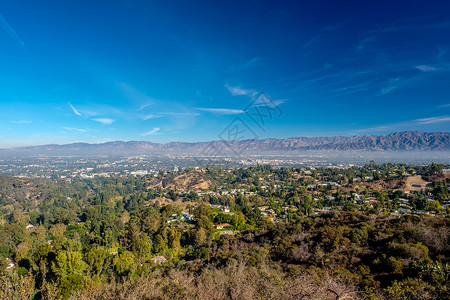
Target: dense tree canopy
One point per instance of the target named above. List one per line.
(254, 232)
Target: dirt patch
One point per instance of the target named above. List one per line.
(416, 183)
(379, 185)
(191, 180)
(163, 201)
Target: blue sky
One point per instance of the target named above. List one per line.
(95, 71)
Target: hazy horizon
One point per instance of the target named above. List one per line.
(200, 141)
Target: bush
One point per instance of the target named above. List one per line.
(411, 289)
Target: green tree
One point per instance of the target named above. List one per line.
(124, 263)
(69, 268)
(142, 247)
(96, 258)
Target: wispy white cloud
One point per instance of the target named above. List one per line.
(75, 111)
(364, 42)
(90, 113)
(410, 79)
(21, 122)
(10, 31)
(279, 102)
(151, 132)
(152, 116)
(406, 125)
(441, 53)
(222, 111)
(251, 63)
(433, 120)
(104, 121)
(144, 106)
(264, 100)
(169, 114)
(311, 41)
(444, 105)
(136, 95)
(75, 129)
(392, 85)
(426, 68)
(381, 79)
(187, 114)
(238, 91)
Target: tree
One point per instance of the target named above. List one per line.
(434, 206)
(142, 247)
(161, 242)
(69, 268)
(238, 220)
(411, 288)
(58, 229)
(69, 262)
(96, 258)
(124, 263)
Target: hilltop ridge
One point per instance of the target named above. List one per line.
(397, 141)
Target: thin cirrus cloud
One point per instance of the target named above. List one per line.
(364, 42)
(250, 63)
(21, 122)
(406, 81)
(186, 114)
(238, 91)
(152, 116)
(222, 111)
(75, 111)
(75, 129)
(104, 121)
(10, 31)
(151, 132)
(264, 100)
(394, 83)
(433, 120)
(406, 125)
(142, 107)
(136, 95)
(169, 114)
(426, 68)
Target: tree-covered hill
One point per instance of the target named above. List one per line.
(252, 233)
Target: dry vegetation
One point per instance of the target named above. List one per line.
(235, 281)
(416, 183)
(194, 179)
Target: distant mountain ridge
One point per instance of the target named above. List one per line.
(397, 141)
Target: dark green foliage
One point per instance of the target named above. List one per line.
(112, 232)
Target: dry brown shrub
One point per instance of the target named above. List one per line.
(17, 287)
(237, 280)
(300, 253)
(437, 240)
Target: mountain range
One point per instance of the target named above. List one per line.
(398, 141)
